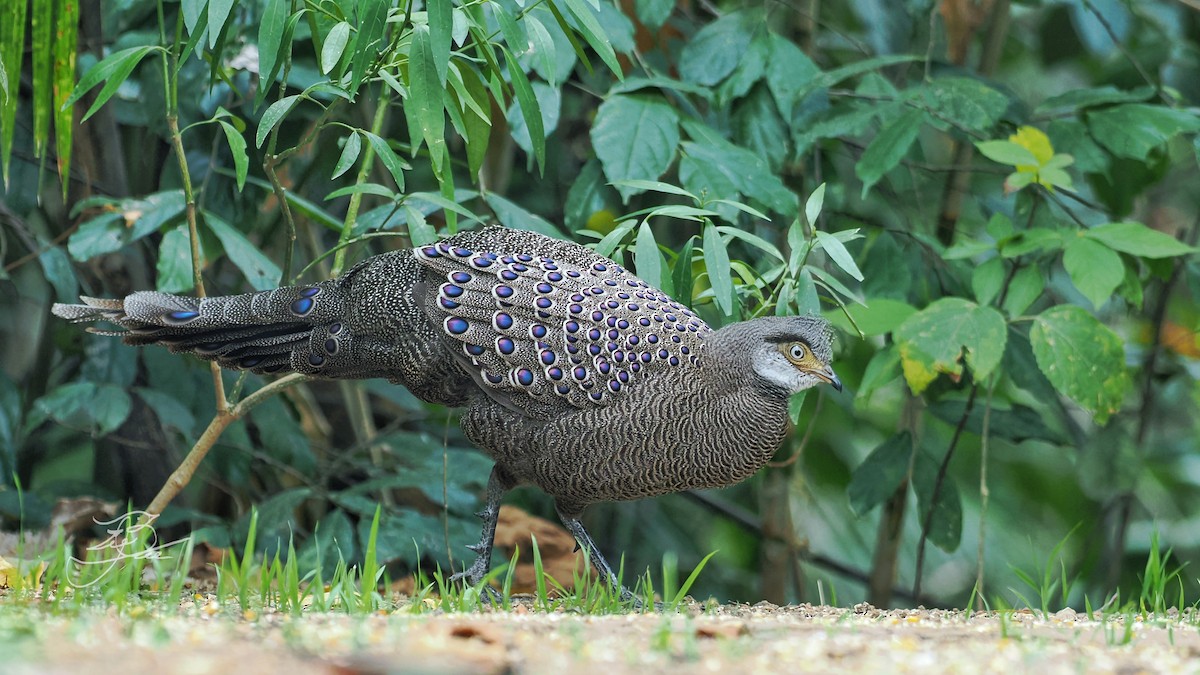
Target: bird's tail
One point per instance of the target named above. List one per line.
(295, 328)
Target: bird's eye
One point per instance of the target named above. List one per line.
(796, 351)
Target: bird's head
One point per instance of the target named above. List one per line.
(788, 353)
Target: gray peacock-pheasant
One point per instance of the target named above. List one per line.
(576, 376)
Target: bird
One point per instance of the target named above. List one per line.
(575, 375)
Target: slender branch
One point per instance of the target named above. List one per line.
(984, 493)
(339, 260)
(224, 417)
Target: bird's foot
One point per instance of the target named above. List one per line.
(475, 576)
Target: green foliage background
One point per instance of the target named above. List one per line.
(994, 201)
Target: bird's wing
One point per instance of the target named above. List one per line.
(540, 328)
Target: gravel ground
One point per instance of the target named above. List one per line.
(205, 638)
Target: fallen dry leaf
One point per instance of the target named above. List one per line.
(6, 569)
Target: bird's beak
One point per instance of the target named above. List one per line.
(829, 376)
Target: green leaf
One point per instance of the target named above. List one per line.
(648, 258)
(1007, 152)
(1137, 239)
(271, 33)
(542, 49)
(838, 254)
(530, 110)
(969, 103)
(549, 101)
(717, 48)
(595, 35)
(112, 71)
(716, 261)
(513, 216)
(654, 186)
(334, 46)
(103, 234)
(888, 148)
(945, 524)
(1082, 358)
(218, 14)
(12, 53)
(681, 273)
(42, 51)
(987, 279)
(1077, 99)
(635, 137)
(237, 147)
(880, 474)
(169, 410)
(1094, 269)
(879, 316)
(1134, 129)
(724, 170)
(391, 161)
(425, 92)
(753, 240)
(97, 408)
(812, 207)
(272, 115)
(935, 339)
(174, 264)
(349, 154)
(369, 43)
(441, 29)
(789, 72)
(259, 270)
(1024, 289)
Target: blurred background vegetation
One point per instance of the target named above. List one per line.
(1006, 243)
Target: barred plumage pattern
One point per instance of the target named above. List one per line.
(577, 376)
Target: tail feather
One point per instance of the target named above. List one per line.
(290, 328)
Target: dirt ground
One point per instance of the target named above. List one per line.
(205, 638)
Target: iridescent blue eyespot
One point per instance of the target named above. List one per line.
(460, 277)
(451, 291)
(600, 267)
(504, 291)
(520, 268)
(494, 379)
(302, 306)
(596, 290)
(575, 308)
(604, 367)
(596, 395)
(430, 252)
(331, 346)
(632, 307)
(622, 324)
(335, 328)
(571, 326)
(578, 297)
(644, 321)
(674, 360)
(613, 334)
(633, 339)
(647, 357)
(447, 303)
(502, 321)
(613, 304)
(652, 338)
(610, 282)
(624, 376)
(524, 377)
(573, 349)
(635, 368)
(579, 373)
(594, 334)
(554, 373)
(508, 275)
(573, 274)
(480, 262)
(456, 326)
(524, 257)
(554, 276)
(474, 350)
(538, 331)
(544, 303)
(544, 288)
(684, 350)
(548, 357)
(618, 356)
(597, 315)
(563, 389)
(462, 252)
(611, 322)
(614, 386)
(309, 292)
(622, 295)
(250, 361)
(594, 349)
(611, 347)
(315, 360)
(184, 316)
(675, 339)
(505, 345)
(549, 266)
(662, 354)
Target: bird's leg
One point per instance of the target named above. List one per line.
(498, 484)
(570, 519)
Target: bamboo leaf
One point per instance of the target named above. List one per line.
(112, 71)
(349, 154)
(716, 260)
(237, 147)
(66, 36)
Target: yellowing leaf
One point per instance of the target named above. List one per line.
(1035, 141)
(918, 368)
(7, 570)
